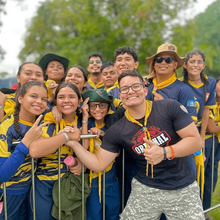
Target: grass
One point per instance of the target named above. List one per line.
(215, 214)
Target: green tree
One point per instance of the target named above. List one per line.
(208, 38)
(77, 28)
(202, 33)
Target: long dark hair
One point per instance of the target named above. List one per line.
(202, 75)
(20, 93)
(73, 87)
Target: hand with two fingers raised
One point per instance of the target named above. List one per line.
(85, 109)
(34, 132)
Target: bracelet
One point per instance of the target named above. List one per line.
(1, 107)
(66, 136)
(164, 153)
(84, 122)
(172, 152)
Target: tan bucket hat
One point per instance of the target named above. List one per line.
(170, 48)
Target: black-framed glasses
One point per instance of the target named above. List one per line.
(135, 87)
(93, 106)
(93, 61)
(168, 60)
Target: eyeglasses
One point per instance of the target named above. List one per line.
(135, 87)
(94, 106)
(168, 60)
(199, 62)
(93, 61)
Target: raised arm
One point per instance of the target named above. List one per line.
(95, 162)
(45, 146)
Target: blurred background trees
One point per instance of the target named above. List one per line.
(75, 29)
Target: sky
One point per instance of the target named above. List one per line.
(14, 27)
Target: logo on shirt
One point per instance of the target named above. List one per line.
(3, 137)
(191, 103)
(161, 138)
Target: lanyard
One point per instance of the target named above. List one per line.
(144, 127)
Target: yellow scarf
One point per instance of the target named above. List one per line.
(163, 84)
(94, 149)
(62, 123)
(95, 86)
(217, 119)
(144, 127)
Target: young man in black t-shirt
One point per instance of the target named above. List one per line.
(159, 135)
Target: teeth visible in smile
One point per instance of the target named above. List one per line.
(67, 106)
(132, 97)
(37, 107)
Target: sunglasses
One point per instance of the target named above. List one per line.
(168, 60)
(94, 106)
(93, 61)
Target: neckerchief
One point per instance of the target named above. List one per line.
(144, 127)
(197, 86)
(217, 119)
(163, 84)
(95, 86)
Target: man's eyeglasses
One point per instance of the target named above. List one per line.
(199, 62)
(168, 60)
(93, 61)
(94, 106)
(135, 87)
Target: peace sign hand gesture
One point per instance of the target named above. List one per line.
(85, 109)
(34, 132)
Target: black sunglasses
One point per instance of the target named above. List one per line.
(168, 60)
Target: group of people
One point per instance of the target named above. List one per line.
(160, 121)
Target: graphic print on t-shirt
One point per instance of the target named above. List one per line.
(161, 138)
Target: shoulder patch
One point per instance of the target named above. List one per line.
(183, 108)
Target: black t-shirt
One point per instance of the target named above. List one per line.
(167, 117)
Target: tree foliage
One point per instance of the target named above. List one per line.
(202, 33)
(208, 37)
(75, 29)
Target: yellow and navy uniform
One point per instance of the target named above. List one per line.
(15, 161)
(90, 85)
(9, 105)
(204, 100)
(48, 166)
(112, 193)
(114, 91)
(172, 88)
(215, 115)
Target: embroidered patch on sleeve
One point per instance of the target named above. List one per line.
(183, 108)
